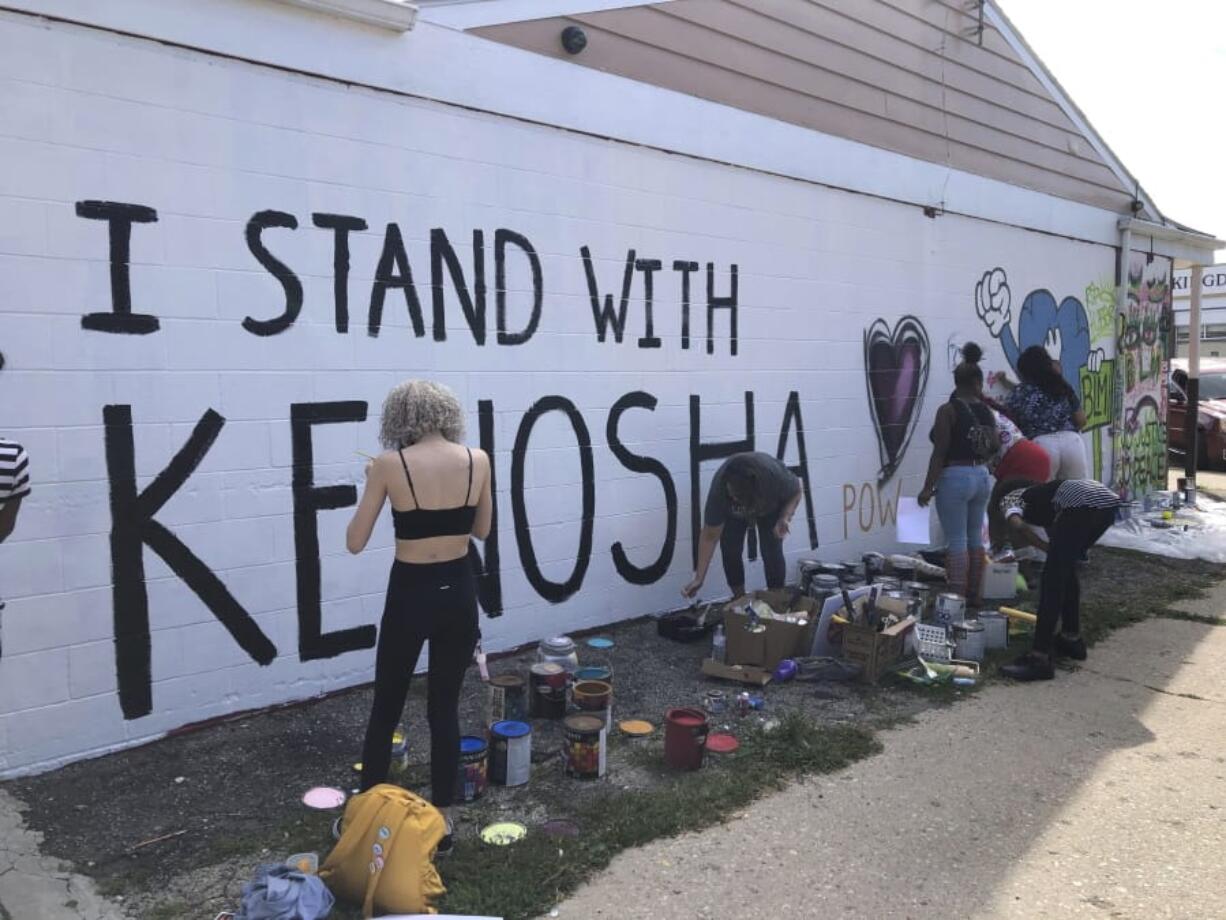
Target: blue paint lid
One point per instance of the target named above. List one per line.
(471, 744)
(511, 729)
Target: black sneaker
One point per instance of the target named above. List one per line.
(1030, 667)
(1070, 648)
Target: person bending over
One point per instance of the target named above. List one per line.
(439, 491)
(1075, 514)
(750, 489)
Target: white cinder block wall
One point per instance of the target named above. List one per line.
(210, 143)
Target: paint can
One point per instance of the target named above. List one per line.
(995, 629)
(715, 702)
(400, 752)
(510, 753)
(807, 569)
(583, 746)
(887, 583)
(547, 690)
(969, 640)
(922, 593)
(508, 699)
(559, 650)
(949, 609)
(474, 766)
(595, 672)
(823, 586)
(685, 738)
(592, 695)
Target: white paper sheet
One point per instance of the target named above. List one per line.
(912, 522)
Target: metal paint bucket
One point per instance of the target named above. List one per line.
(921, 592)
(508, 699)
(547, 690)
(510, 753)
(583, 747)
(949, 609)
(592, 695)
(887, 583)
(995, 629)
(474, 769)
(970, 640)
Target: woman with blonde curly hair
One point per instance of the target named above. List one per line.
(439, 491)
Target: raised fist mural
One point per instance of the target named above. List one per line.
(1062, 329)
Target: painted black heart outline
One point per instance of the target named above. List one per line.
(896, 364)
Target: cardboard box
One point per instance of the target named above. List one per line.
(1000, 580)
(759, 677)
(779, 640)
(875, 651)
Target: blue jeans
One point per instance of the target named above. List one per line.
(962, 503)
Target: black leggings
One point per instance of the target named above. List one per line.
(770, 547)
(436, 602)
(1074, 532)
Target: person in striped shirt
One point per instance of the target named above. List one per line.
(14, 482)
(1075, 513)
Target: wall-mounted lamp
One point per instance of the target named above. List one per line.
(574, 39)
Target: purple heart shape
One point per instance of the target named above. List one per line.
(896, 365)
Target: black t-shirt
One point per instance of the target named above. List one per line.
(776, 486)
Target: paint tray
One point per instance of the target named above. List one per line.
(689, 624)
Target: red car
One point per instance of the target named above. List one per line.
(1211, 440)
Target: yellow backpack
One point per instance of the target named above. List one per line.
(384, 859)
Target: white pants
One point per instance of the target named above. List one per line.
(1068, 454)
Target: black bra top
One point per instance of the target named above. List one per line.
(423, 523)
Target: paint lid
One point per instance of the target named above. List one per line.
(594, 673)
(584, 724)
(323, 797)
(507, 681)
(470, 744)
(503, 833)
(511, 729)
(636, 728)
(546, 667)
(600, 642)
(722, 743)
(558, 645)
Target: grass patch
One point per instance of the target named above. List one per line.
(529, 878)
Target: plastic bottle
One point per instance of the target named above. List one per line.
(719, 645)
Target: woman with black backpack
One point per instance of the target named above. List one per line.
(964, 439)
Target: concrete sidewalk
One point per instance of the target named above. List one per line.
(36, 886)
(1100, 794)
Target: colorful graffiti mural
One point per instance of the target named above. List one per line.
(1143, 351)
(896, 364)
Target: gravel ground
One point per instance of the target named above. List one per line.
(234, 788)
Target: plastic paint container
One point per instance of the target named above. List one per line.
(473, 773)
(508, 699)
(510, 753)
(583, 747)
(995, 628)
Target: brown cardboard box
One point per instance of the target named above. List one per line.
(875, 651)
(778, 641)
(759, 677)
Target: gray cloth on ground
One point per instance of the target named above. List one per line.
(277, 892)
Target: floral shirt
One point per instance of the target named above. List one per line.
(1038, 414)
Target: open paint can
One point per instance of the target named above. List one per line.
(510, 753)
(583, 747)
(473, 772)
(547, 682)
(592, 695)
(970, 640)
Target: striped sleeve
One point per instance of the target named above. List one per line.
(1085, 493)
(14, 471)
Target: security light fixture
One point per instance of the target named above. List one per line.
(574, 39)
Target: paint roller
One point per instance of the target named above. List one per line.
(1020, 615)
